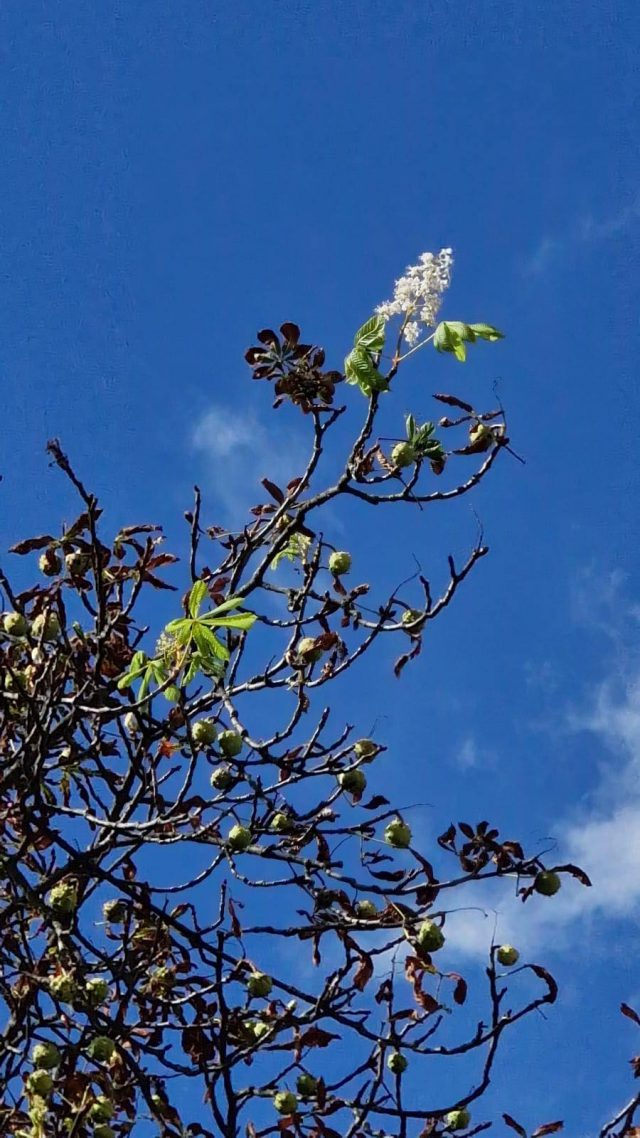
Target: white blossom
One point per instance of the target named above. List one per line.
(420, 291)
(412, 332)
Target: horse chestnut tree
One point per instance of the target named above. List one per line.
(212, 923)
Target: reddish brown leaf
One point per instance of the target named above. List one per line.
(363, 973)
(317, 1037)
(515, 1125)
(548, 979)
(236, 927)
(453, 401)
(31, 544)
(629, 1013)
(548, 1128)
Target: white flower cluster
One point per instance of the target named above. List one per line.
(420, 291)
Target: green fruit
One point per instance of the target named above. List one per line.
(102, 1109)
(285, 1102)
(63, 987)
(340, 562)
(430, 936)
(398, 834)
(39, 1083)
(96, 990)
(63, 898)
(307, 1086)
(458, 1119)
(101, 1048)
(49, 563)
(365, 749)
(411, 617)
(259, 984)
(547, 883)
(239, 838)
(353, 781)
(114, 911)
(222, 778)
(397, 1063)
(230, 743)
(46, 626)
(403, 454)
(307, 650)
(76, 563)
(14, 624)
(204, 731)
(45, 1056)
(508, 955)
(281, 823)
(103, 1131)
(366, 910)
(259, 1030)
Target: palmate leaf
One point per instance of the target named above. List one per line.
(359, 369)
(241, 620)
(453, 335)
(196, 597)
(208, 645)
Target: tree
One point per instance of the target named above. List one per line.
(138, 1002)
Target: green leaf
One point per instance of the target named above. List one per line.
(295, 548)
(196, 597)
(487, 332)
(359, 369)
(371, 336)
(230, 603)
(208, 644)
(447, 338)
(242, 620)
(411, 427)
(181, 629)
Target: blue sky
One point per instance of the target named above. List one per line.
(178, 175)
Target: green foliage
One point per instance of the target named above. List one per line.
(295, 549)
(359, 366)
(453, 335)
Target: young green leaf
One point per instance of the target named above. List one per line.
(196, 597)
(371, 335)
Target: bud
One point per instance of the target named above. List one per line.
(398, 834)
(114, 911)
(230, 743)
(39, 1083)
(353, 781)
(508, 955)
(101, 1048)
(307, 1086)
(365, 749)
(458, 1119)
(204, 731)
(14, 624)
(63, 898)
(46, 626)
(96, 990)
(222, 778)
(239, 838)
(397, 1063)
(307, 650)
(430, 936)
(131, 724)
(285, 1102)
(63, 987)
(49, 563)
(367, 910)
(339, 563)
(259, 1030)
(102, 1109)
(403, 454)
(281, 823)
(45, 1056)
(76, 563)
(259, 984)
(547, 883)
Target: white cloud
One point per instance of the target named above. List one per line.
(471, 754)
(238, 451)
(602, 834)
(586, 230)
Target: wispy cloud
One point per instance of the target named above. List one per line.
(471, 754)
(237, 451)
(602, 833)
(585, 230)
